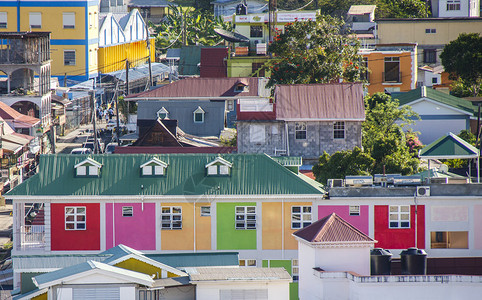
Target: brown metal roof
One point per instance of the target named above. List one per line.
(332, 101)
(20, 120)
(209, 274)
(332, 228)
(202, 87)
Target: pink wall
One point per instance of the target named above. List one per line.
(360, 222)
(138, 231)
(478, 226)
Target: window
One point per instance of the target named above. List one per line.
(241, 87)
(245, 217)
(434, 80)
(87, 170)
(75, 218)
(247, 262)
(230, 105)
(449, 239)
(300, 130)
(69, 57)
(199, 115)
(453, 5)
(162, 113)
(300, 216)
(392, 69)
(68, 20)
(171, 217)
(366, 74)
(219, 166)
(430, 30)
(354, 210)
(339, 130)
(399, 216)
(154, 167)
(257, 66)
(127, 211)
(430, 56)
(205, 211)
(257, 134)
(256, 31)
(3, 19)
(35, 20)
(295, 270)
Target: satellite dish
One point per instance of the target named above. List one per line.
(231, 36)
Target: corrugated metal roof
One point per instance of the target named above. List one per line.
(332, 228)
(202, 87)
(209, 274)
(173, 281)
(449, 146)
(8, 113)
(198, 259)
(150, 3)
(438, 96)
(361, 9)
(339, 101)
(251, 174)
(34, 262)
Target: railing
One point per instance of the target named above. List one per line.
(32, 236)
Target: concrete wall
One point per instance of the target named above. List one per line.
(277, 290)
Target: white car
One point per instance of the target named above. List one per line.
(81, 151)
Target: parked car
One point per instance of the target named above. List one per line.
(90, 145)
(110, 148)
(81, 151)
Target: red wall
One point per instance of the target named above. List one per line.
(88, 239)
(395, 238)
(212, 62)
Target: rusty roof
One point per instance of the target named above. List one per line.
(203, 87)
(332, 229)
(331, 101)
(20, 120)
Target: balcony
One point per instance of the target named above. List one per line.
(24, 48)
(32, 237)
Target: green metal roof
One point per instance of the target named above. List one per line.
(251, 174)
(449, 146)
(435, 173)
(198, 259)
(459, 103)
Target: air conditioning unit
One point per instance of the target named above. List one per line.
(336, 183)
(423, 191)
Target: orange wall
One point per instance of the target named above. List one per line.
(203, 229)
(376, 65)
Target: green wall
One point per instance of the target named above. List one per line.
(287, 265)
(228, 237)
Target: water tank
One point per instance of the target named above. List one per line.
(413, 261)
(380, 262)
(241, 9)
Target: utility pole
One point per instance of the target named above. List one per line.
(94, 117)
(148, 44)
(117, 130)
(127, 89)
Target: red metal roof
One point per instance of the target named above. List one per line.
(9, 114)
(162, 150)
(202, 87)
(332, 228)
(332, 101)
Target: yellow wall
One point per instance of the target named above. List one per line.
(11, 18)
(180, 239)
(57, 57)
(414, 32)
(112, 58)
(93, 11)
(243, 66)
(203, 229)
(376, 65)
(142, 267)
(43, 296)
(93, 59)
(272, 235)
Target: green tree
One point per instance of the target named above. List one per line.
(385, 8)
(315, 52)
(342, 163)
(462, 58)
(199, 28)
(383, 136)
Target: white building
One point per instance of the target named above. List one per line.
(455, 8)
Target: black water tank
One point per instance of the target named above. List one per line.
(241, 9)
(380, 262)
(413, 261)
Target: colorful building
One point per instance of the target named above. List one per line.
(74, 32)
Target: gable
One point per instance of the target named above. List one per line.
(96, 278)
(143, 267)
(430, 107)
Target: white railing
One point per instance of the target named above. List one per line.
(32, 236)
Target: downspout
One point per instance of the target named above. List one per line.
(194, 222)
(282, 228)
(113, 222)
(287, 140)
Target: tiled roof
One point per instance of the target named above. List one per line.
(332, 229)
(449, 146)
(251, 174)
(339, 101)
(202, 87)
(438, 96)
(210, 274)
(8, 113)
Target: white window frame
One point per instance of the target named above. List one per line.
(68, 20)
(199, 111)
(301, 216)
(127, 211)
(295, 270)
(3, 19)
(245, 217)
(35, 19)
(75, 212)
(397, 217)
(339, 128)
(87, 170)
(300, 128)
(205, 211)
(164, 111)
(354, 210)
(171, 217)
(248, 263)
(257, 134)
(74, 60)
(81, 171)
(453, 5)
